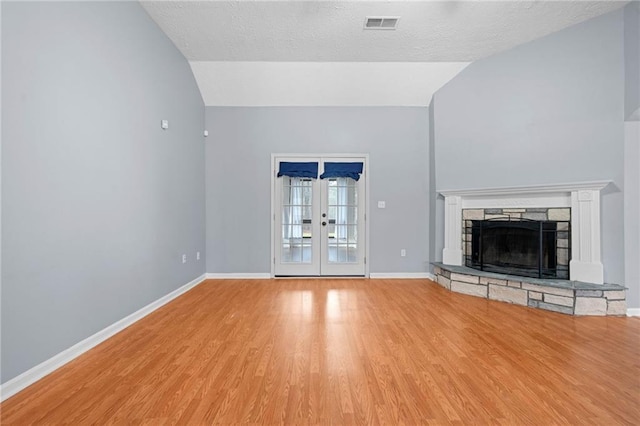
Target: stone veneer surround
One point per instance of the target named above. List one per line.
(562, 216)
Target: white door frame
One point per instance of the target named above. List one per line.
(324, 156)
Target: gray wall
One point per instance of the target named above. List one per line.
(632, 60)
(238, 155)
(632, 152)
(98, 203)
(632, 211)
(549, 111)
(433, 195)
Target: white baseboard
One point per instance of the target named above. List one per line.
(266, 275)
(239, 276)
(423, 275)
(633, 312)
(36, 373)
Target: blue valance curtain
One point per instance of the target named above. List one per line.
(308, 170)
(350, 170)
(331, 170)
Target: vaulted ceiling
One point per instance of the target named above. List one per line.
(252, 52)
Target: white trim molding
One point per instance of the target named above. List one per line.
(633, 312)
(583, 198)
(239, 276)
(585, 264)
(402, 275)
(528, 189)
(18, 383)
(452, 252)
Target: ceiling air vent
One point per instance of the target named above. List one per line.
(381, 22)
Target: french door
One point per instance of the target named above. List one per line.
(319, 217)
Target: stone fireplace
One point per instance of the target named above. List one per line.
(581, 201)
(537, 246)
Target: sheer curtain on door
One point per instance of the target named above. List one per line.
(342, 209)
(346, 174)
(293, 196)
(296, 197)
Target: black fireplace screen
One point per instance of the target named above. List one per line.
(528, 248)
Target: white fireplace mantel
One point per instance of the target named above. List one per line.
(583, 198)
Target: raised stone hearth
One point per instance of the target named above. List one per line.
(567, 297)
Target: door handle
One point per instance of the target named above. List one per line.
(324, 223)
(324, 215)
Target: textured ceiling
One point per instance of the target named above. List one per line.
(430, 31)
(332, 32)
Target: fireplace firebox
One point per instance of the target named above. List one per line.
(516, 246)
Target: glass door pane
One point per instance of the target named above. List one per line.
(342, 233)
(296, 225)
(297, 215)
(342, 208)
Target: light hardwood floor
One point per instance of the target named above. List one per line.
(346, 352)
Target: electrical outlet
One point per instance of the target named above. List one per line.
(197, 255)
(403, 252)
(184, 258)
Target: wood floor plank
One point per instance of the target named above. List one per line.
(330, 351)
